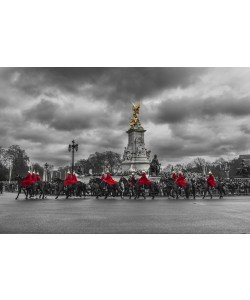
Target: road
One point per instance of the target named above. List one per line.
(115, 215)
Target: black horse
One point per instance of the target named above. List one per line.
(39, 188)
(101, 188)
(97, 187)
(20, 188)
(208, 190)
(170, 188)
(141, 190)
(78, 189)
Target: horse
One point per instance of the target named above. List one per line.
(113, 190)
(97, 187)
(20, 188)
(207, 189)
(101, 188)
(81, 189)
(39, 187)
(170, 188)
(141, 190)
(78, 189)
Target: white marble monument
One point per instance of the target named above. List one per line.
(136, 157)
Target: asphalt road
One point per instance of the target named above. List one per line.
(115, 215)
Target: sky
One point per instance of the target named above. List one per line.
(187, 112)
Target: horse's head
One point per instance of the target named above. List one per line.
(18, 178)
(123, 179)
(57, 180)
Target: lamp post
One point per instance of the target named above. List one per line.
(204, 169)
(72, 148)
(10, 169)
(46, 171)
(227, 169)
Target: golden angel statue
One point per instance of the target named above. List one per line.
(135, 116)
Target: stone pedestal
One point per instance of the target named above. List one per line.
(136, 157)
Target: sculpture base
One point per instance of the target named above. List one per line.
(136, 157)
(135, 166)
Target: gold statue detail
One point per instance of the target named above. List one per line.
(135, 122)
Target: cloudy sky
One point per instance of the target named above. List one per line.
(187, 112)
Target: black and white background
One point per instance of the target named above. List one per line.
(188, 112)
(131, 34)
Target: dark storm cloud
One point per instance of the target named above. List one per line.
(186, 111)
(111, 84)
(64, 117)
(43, 112)
(245, 128)
(176, 148)
(3, 102)
(138, 83)
(69, 122)
(171, 111)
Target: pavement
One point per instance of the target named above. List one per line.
(116, 215)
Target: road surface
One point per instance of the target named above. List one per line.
(115, 215)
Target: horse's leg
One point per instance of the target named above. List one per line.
(153, 193)
(107, 193)
(28, 193)
(204, 193)
(176, 190)
(31, 191)
(136, 193)
(220, 192)
(193, 192)
(186, 190)
(42, 192)
(59, 192)
(68, 194)
(18, 192)
(209, 192)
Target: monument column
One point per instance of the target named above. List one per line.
(136, 157)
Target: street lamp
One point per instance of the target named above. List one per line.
(227, 169)
(72, 148)
(10, 162)
(46, 166)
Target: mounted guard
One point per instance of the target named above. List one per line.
(109, 180)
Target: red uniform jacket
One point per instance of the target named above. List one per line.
(38, 178)
(74, 179)
(109, 180)
(69, 180)
(181, 181)
(27, 181)
(144, 180)
(211, 181)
